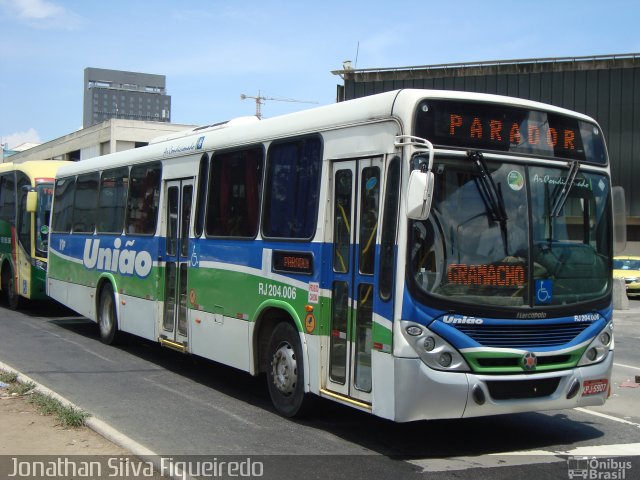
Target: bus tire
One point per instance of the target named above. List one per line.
(107, 316)
(9, 289)
(285, 371)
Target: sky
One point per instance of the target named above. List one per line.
(213, 51)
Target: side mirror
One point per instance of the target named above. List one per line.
(32, 201)
(619, 220)
(420, 194)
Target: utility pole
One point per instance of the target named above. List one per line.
(260, 99)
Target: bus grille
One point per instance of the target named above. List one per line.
(521, 389)
(502, 362)
(523, 336)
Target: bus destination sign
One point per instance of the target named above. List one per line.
(509, 129)
(293, 262)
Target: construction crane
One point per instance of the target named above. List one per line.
(260, 99)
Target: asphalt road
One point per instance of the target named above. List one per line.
(179, 405)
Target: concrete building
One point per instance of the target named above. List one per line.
(127, 95)
(606, 88)
(113, 135)
(7, 152)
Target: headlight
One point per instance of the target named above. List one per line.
(433, 350)
(599, 348)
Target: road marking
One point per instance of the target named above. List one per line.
(608, 417)
(525, 457)
(626, 366)
(619, 449)
(201, 402)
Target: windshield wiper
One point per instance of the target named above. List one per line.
(491, 195)
(561, 197)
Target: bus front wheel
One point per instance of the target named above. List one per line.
(107, 317)
(9, 289)
(285, 371)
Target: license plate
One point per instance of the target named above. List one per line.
(593, 387)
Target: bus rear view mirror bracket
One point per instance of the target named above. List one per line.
(420, 194)
(421, 179)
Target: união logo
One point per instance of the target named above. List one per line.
(462, 320)
(125, 262)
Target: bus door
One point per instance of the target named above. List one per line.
(179, 195)
(355, 211)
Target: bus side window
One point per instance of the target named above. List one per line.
(144, 197)
(203, 178)
(112, 200)
(389, 226)
(63, 205)
(85, 203)
(24, 218)
(234, 193)
(292, 189)
(2, 179)
(8, 198)
(369, 208)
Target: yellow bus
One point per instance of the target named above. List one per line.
(25, 205)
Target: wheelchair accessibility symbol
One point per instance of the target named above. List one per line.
(544, 291)
(194, 258)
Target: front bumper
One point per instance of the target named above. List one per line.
(424, 394)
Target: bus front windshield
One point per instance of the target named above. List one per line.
(504, 234)
(43, 212)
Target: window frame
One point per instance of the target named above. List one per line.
(23, 217)
(389, 232)
(124, 206)
(4, 179)
(210, 194)
(96, 176)
(128, 207)
(202, 192)
(54, 216)
(267, 183)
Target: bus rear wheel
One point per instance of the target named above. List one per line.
(107, 317)
(285, 371)
(9, 289)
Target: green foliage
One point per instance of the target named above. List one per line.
(67, 416)
(8, 377)
(20, 388)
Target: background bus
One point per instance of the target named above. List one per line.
(415, 254)
(24, 228)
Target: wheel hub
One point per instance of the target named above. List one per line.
(284, 369)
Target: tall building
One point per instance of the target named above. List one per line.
(126, 95)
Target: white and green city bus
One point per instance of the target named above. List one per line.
(26, 192)
(415, 254)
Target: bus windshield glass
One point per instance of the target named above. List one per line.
(498, 243)
(486, 127)
(43, 211)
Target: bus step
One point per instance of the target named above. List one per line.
(344, 399)
(180, 347)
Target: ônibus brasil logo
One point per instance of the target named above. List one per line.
(124, 262)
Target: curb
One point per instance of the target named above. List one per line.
(95, 424)
(100, 427)
(107, 431)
